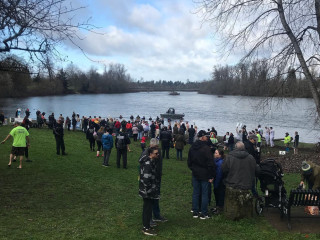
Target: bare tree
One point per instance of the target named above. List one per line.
(38, 26)
(286, 32)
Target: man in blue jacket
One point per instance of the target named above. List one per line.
(107, 143)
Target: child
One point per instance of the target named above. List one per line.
(143, 142)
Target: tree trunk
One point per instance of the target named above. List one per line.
(304, 66)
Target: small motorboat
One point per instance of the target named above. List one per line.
(174, 93)
(171, 114)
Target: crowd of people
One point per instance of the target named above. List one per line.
(229, 177)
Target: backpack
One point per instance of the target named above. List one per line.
(121, 143)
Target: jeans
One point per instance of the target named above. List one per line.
(231, 146)
(140, 135)
(253, 189)
(200, 187)
(156, 209)
(106, 157)
(179, 154)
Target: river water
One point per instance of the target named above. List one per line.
(205, 111)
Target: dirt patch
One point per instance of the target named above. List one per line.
(300, 221)
(292, 163)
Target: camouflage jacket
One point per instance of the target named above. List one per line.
(148, 187)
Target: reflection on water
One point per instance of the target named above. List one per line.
(204, 111)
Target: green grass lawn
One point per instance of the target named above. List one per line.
(74, 197)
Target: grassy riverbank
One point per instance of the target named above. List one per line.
(74, 197)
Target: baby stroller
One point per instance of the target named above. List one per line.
(272, 187)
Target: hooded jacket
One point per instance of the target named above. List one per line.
(107, 141)
(313, 179)
(148, 187)
(165, 138)
(219, 175)
(239, 169)
(201, 162)
(251, 150)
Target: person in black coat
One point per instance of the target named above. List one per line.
(231, 142)
(191, 132)
(58, 133)
(153, 130)
(201, 163)
(166, 139)
(250, 146)
(121, 143)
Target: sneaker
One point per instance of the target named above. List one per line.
(195, 215)
(160, 219)
(204, 217)
(153, 223)
(28, 160)
(104, 165)
(213, 210)
(149, 232)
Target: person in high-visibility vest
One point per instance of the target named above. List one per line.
(258, 142)
(287, 140)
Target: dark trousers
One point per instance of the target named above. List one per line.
(219, 193)
(135, 137)
(147, 212)
(179, 154)
(165, 151)
(99, 145)
(156, 209)
(60, 144)
(26, 152)
(122, 152)
(106, 157)
(92, 143)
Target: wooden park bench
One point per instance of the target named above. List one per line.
(302, 198)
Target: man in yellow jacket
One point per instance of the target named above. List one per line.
(287, 141)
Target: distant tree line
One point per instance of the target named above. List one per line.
(247, 79)
(253, 79)
(16, 80)
(163, 85)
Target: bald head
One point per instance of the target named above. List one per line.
(239, 146)
(154, 142)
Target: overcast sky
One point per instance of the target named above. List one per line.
(154, 39)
